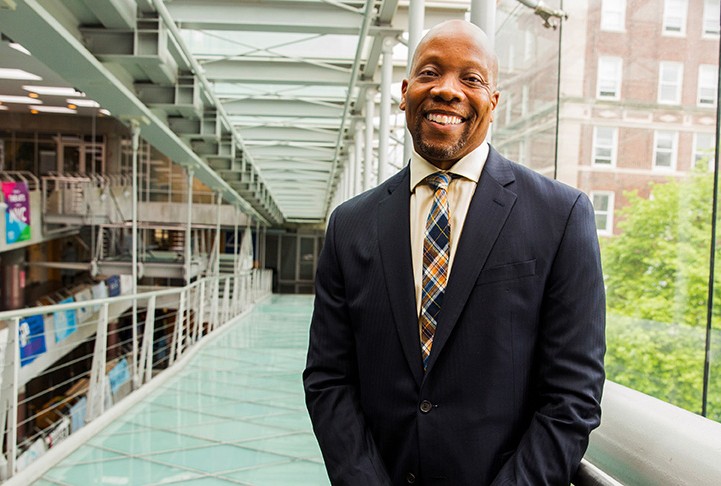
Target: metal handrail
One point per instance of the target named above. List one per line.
(197, 309)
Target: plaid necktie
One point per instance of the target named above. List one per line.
(436, 252)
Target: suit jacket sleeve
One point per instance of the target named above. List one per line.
(571, 346)
(331, 380)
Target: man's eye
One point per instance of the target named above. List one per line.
(427, 72)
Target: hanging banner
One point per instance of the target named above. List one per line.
(119, 375)
(65, 322)
(126, 284)
(77, 414)
(17, 214)
(31, 338)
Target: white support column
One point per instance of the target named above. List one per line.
(135, 131)
(416, 21)
(188, 230)
(483, 14)
(351, 170)
(384, 132)
(368, 159)
(358, 146)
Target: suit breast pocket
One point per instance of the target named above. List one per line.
(509, 271)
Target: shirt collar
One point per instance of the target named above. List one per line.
(469, 166)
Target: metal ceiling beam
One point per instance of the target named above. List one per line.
(251, 135)
(283, 108)
(281, 16)
(276, 72)
(38, 31)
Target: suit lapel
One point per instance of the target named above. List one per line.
(395, 248)
(490, 206)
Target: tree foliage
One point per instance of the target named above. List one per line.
(657, 274)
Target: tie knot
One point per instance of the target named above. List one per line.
(439, 180)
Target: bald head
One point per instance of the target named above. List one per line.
(454, 28)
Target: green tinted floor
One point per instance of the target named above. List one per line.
(234, 415)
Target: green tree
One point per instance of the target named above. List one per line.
(656, 272)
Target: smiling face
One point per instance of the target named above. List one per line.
(450, 96)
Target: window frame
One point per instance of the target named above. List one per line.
(712, 86)
(695, 154)
(673, 151)
(613, 147)
(608, 61)
(609, 9)
(608, 212)
(662, 66)
(711, 16)
(683, 18)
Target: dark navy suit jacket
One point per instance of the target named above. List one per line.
(514, 380)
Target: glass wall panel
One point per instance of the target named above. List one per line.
(630, 89)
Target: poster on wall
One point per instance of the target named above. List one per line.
(65, 322)
(31, 338)
(17, 213)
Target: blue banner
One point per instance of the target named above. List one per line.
(119, 375)
(31, 338)
(113, 284)
(65, 322)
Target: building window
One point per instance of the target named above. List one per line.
(613, 15)
(605, 141)
(665, 144)
(703, 149)
(670, 77)
(603, 209)
(707, 75)
(711, 17)
(674, 17)
(608, 85)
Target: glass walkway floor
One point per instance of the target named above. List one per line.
(235, 414)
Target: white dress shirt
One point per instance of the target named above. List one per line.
(467, 172)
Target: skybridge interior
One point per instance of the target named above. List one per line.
(168, 168)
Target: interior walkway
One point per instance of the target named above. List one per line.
(234, 415)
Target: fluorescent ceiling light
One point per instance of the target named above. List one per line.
(3, 107)
(84, 103)
(24, 100)
(18, 47)
(52, 109)
(104, 111)
(9, 73)
(53, 90)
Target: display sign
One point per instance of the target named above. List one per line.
(59, 433)
(119, 375)
(31, 338)
(65, 322)
(77, 414)
(17, 213)
(36, 450)
(83, 312)
(113, 284)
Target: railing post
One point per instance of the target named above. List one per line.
(9, 396)
(96, 391)
(226, 300)
(176, 344)
(200, 314)
(146, 354)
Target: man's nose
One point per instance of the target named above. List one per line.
(447, 88)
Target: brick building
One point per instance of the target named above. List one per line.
(637, 97)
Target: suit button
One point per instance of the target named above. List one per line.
(410, 478)
(426, 406)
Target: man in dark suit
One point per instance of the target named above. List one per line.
(464, 347)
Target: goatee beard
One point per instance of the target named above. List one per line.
(439, 152)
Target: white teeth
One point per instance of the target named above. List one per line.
(444, 119)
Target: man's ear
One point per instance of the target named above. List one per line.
(404, 88)
(494, 101)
